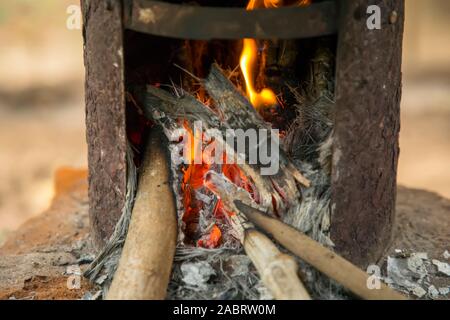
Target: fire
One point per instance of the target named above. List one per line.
(212, 239)
(249, 59)
(193, 174)
(235, 175)
(248, 63)
(193, 179)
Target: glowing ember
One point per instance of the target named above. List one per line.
(212, 240)
(235, 175)
(193, 179)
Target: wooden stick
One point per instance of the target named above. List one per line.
(278, 271)
(146, 262)
(323, 259)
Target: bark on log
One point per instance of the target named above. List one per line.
(146, 262)
(367, 124)
(105, 114)
(278, 271)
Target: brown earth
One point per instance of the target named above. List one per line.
(46, 288)
(34, 260)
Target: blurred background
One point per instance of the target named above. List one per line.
(42, 103)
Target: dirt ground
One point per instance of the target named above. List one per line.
(42, 258)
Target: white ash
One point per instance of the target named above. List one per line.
(412, 274)
(196, 274)
(101, 279)
(207, 199)
(92, 296)
(415, 263)
(240, 264)
(442, 267)
(418, 291)
(407, 274)
(446, 255)
(73, 270)
(444, 291)
(433, 293)
(234, 276)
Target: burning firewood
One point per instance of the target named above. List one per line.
(146, 260)
(276, 192)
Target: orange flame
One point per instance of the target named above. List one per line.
(194, 172)
(194, 179)
(212, 240)
(249, 59)
(248, 62)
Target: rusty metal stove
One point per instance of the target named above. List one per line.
(367, 94)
